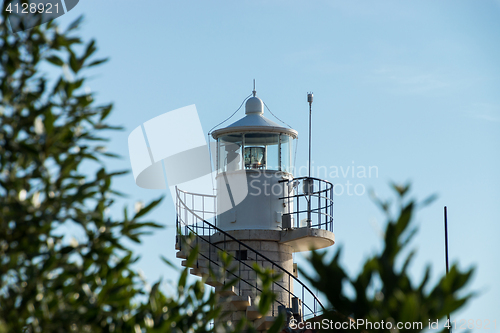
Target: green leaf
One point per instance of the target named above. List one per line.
(169, 263)
(429, 200)
(75, 24)
(97, 62)
(401, 189)
(48, 122)
(74, 63)
(105, 111)
(89, 50)
(148, 208)
(55, 60)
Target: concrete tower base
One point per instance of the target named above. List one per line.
(267, 248)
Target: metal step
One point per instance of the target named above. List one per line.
(264, 323)
(227, 291)
(200, 263)
(184, 253)
(253, 313)
(200, 271)
(211, 281)
(216, 279)
(241, 302)
(186, 243)
(181, 255)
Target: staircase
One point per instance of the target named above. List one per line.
(226, 283)
(225, 260)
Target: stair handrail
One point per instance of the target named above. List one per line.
(290, 275)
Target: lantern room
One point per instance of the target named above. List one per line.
(259, 151)
(254, 142)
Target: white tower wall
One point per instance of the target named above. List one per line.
(261, 208)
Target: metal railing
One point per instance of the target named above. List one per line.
(190, 222)
(310, 205)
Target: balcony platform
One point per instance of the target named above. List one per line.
(299, 239)
(306, 239)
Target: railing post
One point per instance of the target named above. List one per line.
(239, 267)
(314, 306)
(326, 208)
(195, 219)
(298, 210)
(309, 220)
(272, 268)
(225, 253)
(331, 209)
(209, 248)
(256, 275)
(303, 302)
(320, 208)
(199, 249)
(203, 207)
(177, 233)
(286, 195)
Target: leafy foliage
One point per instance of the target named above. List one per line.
(382, 291)
(51, 138)
(48, 137)
(50, 141)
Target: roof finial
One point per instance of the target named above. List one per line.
(254, 92)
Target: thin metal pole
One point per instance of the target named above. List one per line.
(446, 251)
(309, 99)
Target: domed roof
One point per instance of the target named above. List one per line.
(254, 105)
(254, 122)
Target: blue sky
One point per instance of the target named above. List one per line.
(411, 87)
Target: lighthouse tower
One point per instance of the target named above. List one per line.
(259, 214)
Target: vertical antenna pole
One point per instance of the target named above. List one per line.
(446, 251)
(310, 100)
(309, 181)
(254, 92)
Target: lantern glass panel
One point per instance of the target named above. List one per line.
(286, 153)
(255, 157)
(261, 151)
(229, 153)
